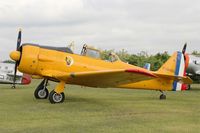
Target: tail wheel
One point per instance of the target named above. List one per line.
(162, 97)
(56, 97)
(41, 93)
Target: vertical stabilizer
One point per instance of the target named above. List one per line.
(175, 65)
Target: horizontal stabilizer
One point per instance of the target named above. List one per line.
(12, 75)
(182, 79)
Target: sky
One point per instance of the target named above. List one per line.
(133, 25)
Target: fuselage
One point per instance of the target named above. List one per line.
(35, 60)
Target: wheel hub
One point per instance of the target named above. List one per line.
(42, 93)
(57, 97)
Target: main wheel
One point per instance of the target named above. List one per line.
(56, 98)
(41, 93)
(162, 97)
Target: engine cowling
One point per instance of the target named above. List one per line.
(29, 59)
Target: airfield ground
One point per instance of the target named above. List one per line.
(99, 110)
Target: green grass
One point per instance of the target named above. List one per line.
(99, 110)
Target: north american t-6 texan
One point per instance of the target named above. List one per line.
(61, 65)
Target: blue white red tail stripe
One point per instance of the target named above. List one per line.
(179, 71)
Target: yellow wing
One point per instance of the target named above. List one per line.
(105, 78)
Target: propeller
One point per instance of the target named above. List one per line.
(184, 48)
(16, 62)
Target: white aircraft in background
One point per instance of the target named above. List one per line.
(7, 75)
(193, 70)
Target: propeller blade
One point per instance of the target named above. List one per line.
(184, 48)
(19, 39)
(16, 63)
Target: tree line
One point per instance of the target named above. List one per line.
(142, 57)
(139, 59)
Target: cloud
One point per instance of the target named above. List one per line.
(135, 25)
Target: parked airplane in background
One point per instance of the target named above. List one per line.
(7, 75)
(87, 69)
(194, 66)
(193, 70)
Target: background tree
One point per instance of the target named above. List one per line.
(196, 53)
(139, 59)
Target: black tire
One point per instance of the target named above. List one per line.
(41, 93)
(56, 98)
(162, 97)
(13, 87)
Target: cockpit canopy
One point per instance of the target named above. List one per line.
(90, 52)
(96, 53)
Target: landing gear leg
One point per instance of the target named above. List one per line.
(57, 95)
(162, 96)
(41, 92)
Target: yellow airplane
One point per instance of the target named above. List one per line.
(61, 65)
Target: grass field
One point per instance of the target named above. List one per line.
(99, 110)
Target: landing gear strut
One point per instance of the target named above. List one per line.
(162, 96)
(41, 91)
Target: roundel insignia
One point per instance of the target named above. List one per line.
(69, 61)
